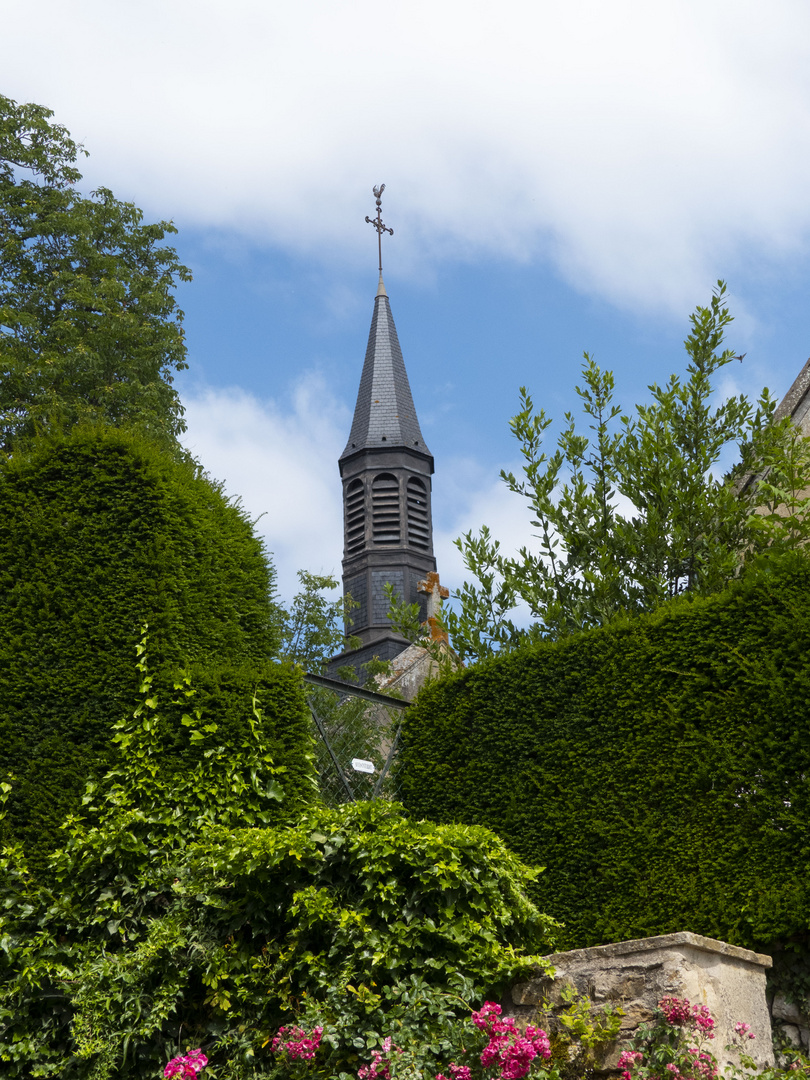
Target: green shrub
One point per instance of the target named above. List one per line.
(658, 768)
(174, 917)
(101, 532)
(363, 893)
(358, 914)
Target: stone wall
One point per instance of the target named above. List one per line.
(414, 667)
(791, 1023)
(635, 975)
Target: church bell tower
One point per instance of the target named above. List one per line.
(386, 469)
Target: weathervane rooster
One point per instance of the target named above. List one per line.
(377, 222)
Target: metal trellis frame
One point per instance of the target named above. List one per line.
(354, 727)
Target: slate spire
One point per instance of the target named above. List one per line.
(384, 416)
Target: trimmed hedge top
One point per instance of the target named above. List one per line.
(659, 769)
(100, 533)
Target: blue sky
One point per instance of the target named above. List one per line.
(560, 177)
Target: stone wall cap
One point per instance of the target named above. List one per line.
(664, 941)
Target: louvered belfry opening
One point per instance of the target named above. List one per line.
(385, 510)
(418, 523)
(355, 517)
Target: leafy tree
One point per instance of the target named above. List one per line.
(89, 325)
(312, 630)
(638, 510)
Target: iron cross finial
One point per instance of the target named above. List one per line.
(377, 222)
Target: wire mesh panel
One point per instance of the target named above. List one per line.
(356, 734)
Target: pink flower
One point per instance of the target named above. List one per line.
(296, 1044)
(482, 1018)
(516, 1059)
(675, 1010)
(629, 1058)
(380, 1067)
(459, 1072)
(702, 1066)
(678, 1013)
(507, 1049)
(628, 1061)
(187, 1066)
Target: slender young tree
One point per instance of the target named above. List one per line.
(638, 510)
(312, 631)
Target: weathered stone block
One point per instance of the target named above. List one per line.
(782, 1009)
(635, 975)
(793, 1035)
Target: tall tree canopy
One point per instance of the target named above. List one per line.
(642, 508)
(89, 325)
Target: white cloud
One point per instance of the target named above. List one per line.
(636, 145)
(280, 459)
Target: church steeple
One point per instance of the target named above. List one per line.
(384, 415)
(386, 469)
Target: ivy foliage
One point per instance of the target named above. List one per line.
(658, 767)
(361, 892)
(174, 917)
(101, 531)
(89, 326)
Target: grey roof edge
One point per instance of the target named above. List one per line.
(399, 448)
(391, 635)
(352, 689)
(796, 397)
(664, 941)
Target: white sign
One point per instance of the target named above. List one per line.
(359, 765)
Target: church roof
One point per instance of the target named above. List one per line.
(384, 416)
(796, 402)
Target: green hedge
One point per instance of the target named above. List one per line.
(660, 769)
(101, 532)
